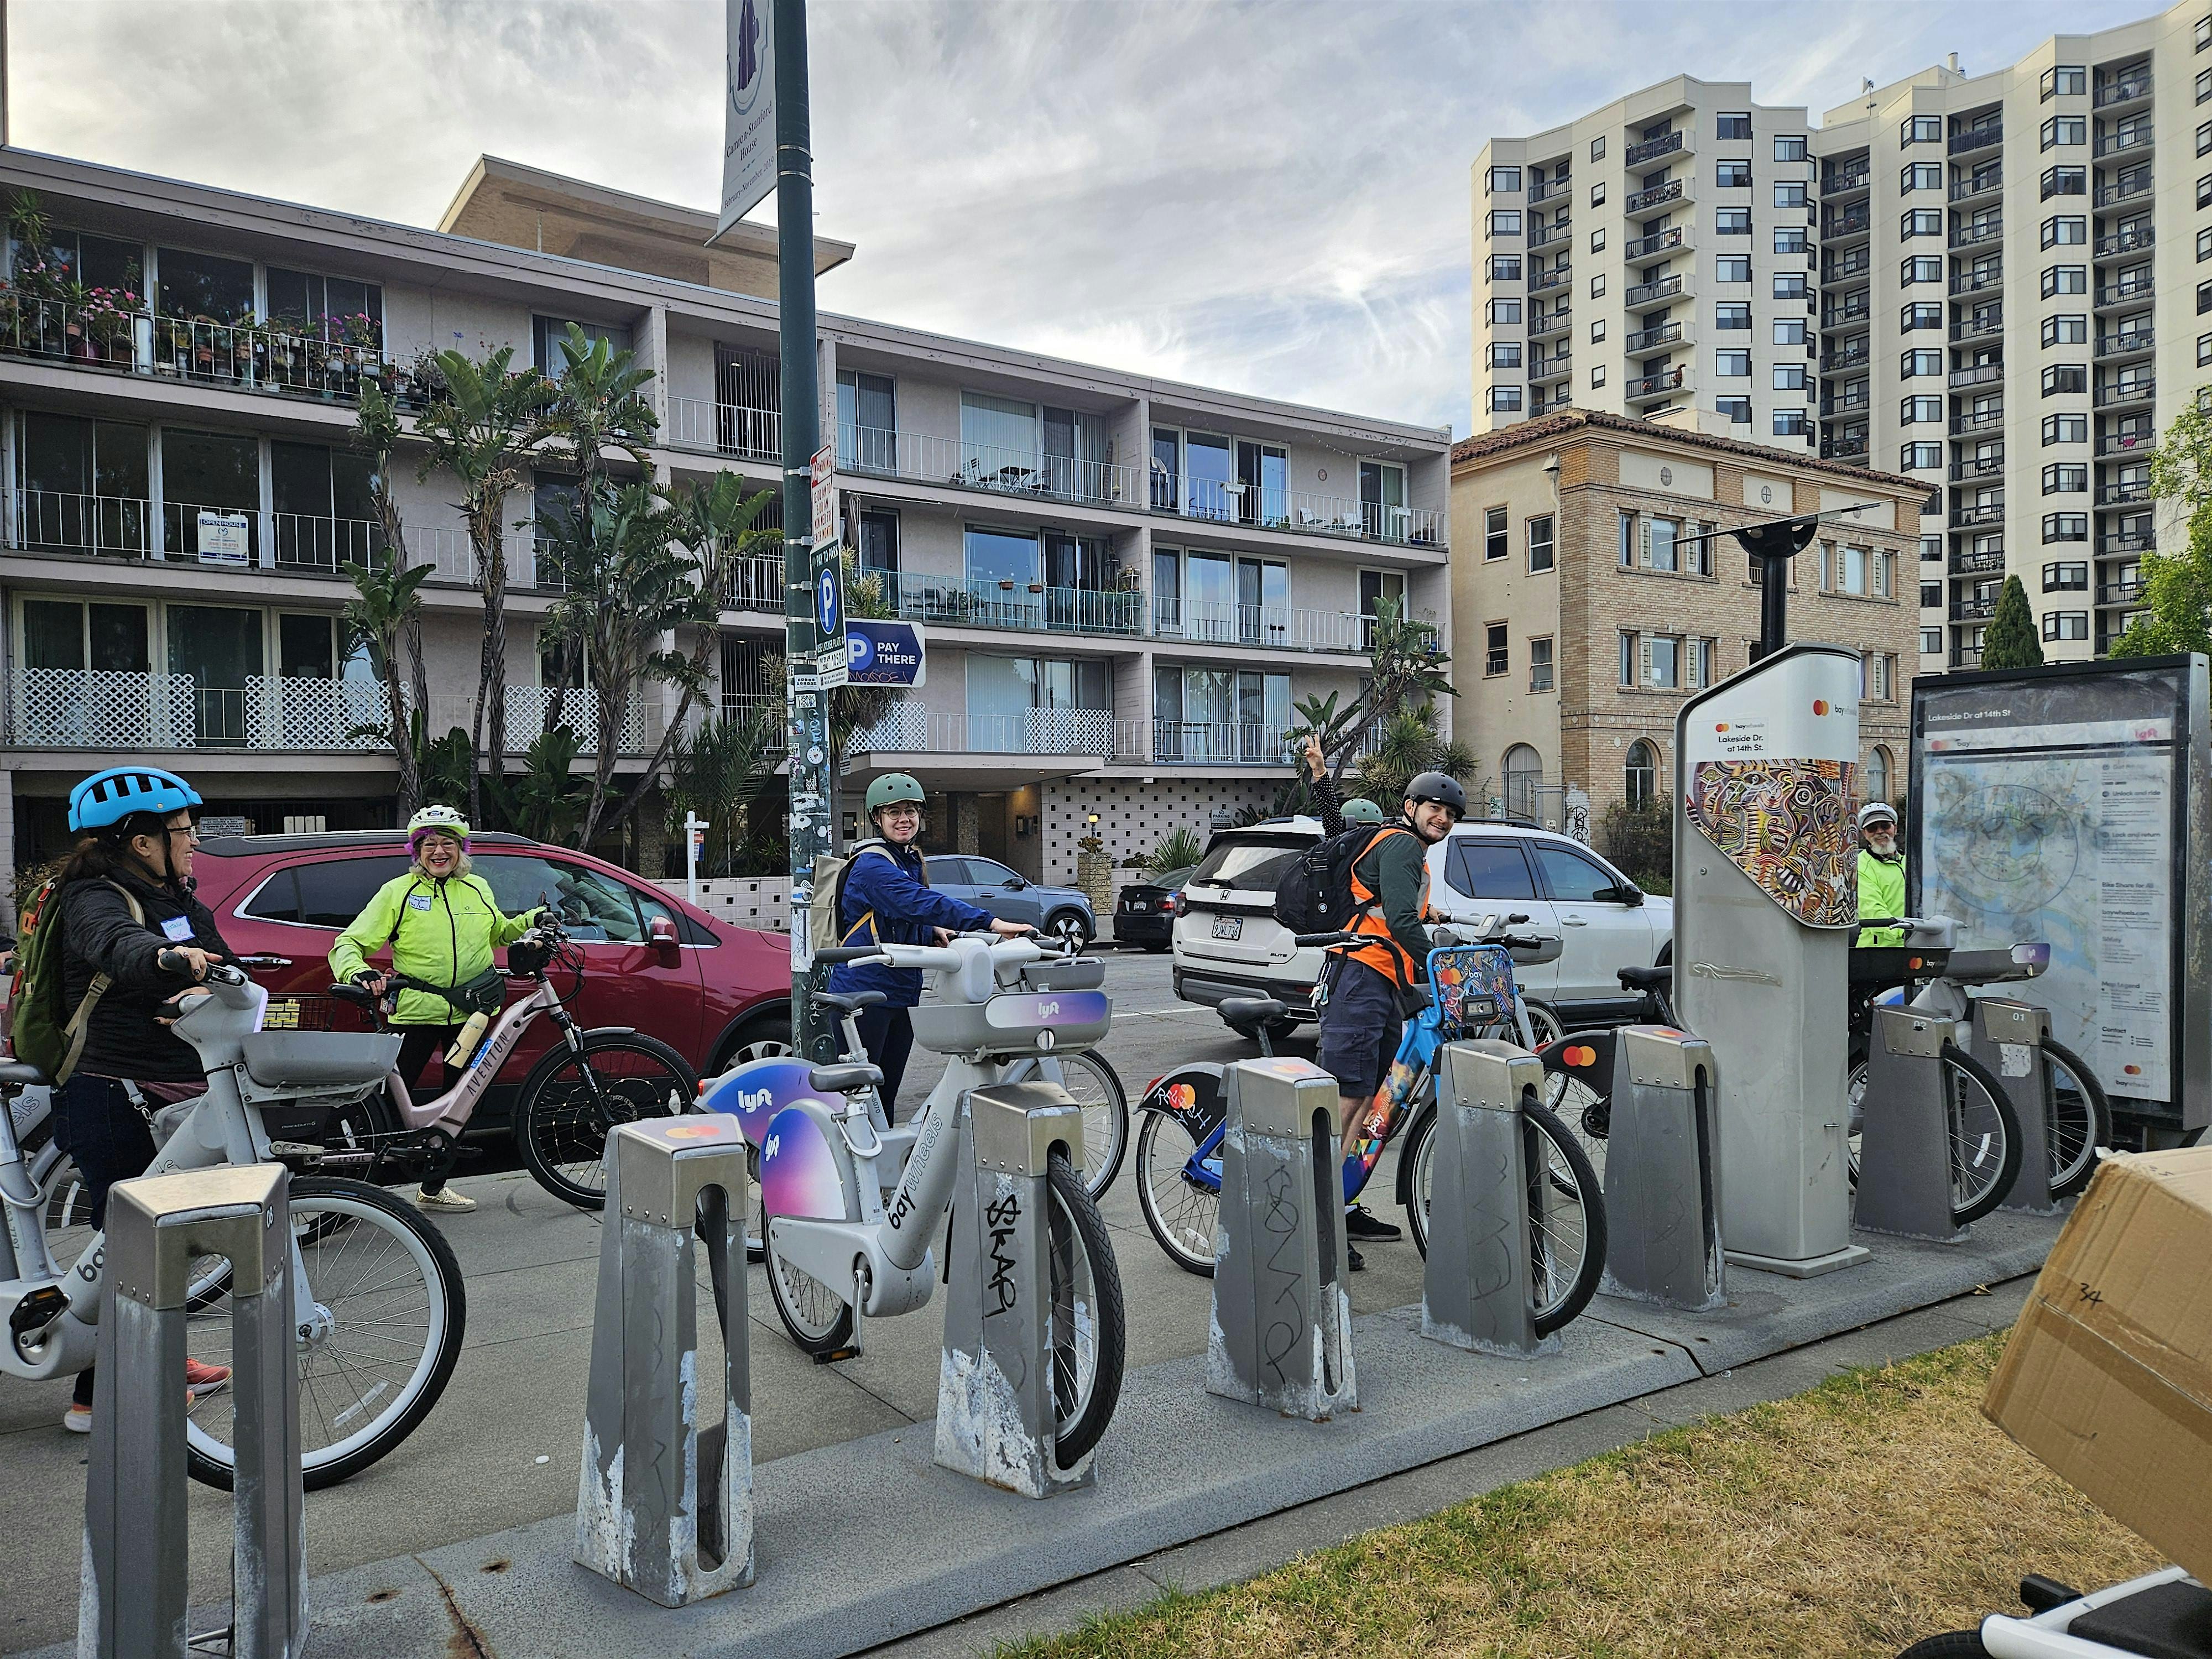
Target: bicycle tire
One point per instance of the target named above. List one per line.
(1105, 1109)
(1186, 1234)
(1073, 1222)
(562, 1138)
(2075, 1131)
(1951, 1644)
(431, 1254)
(1999, 1182)
(819, 1337)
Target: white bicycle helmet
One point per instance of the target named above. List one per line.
(436, 817)
(1876, 812)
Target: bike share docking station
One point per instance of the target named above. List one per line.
(1477, 1284)
(665, 1504)
(2007, 1035)
(1281, 1333)
(995, 1409)
(136, 1584)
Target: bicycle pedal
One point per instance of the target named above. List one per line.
(296, 1149)
(831, 1358)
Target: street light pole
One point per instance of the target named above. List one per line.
(806, 707)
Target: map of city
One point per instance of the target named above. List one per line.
(1787, 825)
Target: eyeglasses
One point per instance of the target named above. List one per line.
(192, 829)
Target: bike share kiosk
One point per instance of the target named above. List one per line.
(1281, 1334)
(134, 1599)
(665, 1504)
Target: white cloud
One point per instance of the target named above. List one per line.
(1273, 197)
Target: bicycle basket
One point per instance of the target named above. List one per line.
(1474, 987)
(314, 1011)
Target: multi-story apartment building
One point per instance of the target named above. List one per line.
(1125, 582)
(1589, 605)
(2025, 309)
(1656, 254)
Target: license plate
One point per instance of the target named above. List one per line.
(1138, 906)
(1229, 927)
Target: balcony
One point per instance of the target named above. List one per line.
(1652, 339)
(1973, 235)
(908, 728)
(1024, 607)
(2131, 441)
(2127, 541)
(1269, 627)
(1654, 247)
(1963, 517)
(1965, 656)
(1989, 562)
(1544, 324)
(1541, 237)
(1976, 138)
(2127, 389)
(1651, 149)
(1976, 328)
(1976, 282)
(2122, 144)
(1852, 220)
(2127, 343)
(1856, 309)
(1978, 466)
(1972, 610)
(1219, 742)
(1650, 387)
(700, 423)
(1558, 277)
(1550, 192)
(294, 543)
(1299, 512)
(1841, 181)
(1978, 375)
(925, 459)
(1844, 449)
(2126, 494)
(1564, 398)
(1973, 190)
(1857, 262)
(2126, 190)
(2124, 293)
(1985, 420)
(754, 583)
(2124, 91)
(1831, 407)
(1643, 201)
(2130, 593)
(1647, 294)
(2124, 242)
(1550, 368)
(1856, 357)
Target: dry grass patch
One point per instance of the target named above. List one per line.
(1851, 1520)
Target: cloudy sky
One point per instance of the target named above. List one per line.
(1268, 197)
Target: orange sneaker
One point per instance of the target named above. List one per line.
(205, 1379)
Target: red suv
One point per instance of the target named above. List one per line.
(651, 962)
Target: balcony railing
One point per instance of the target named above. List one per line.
(102, 709)
(1973, 235)
(1845, 405)
(2124, 91)
(2126, 340)
(907, 727)
(754, 583)
(1985, 513)
(1030, 607)
(2127, 541)
(1972, 610)
(1852, 176)
(1544, 324)
(700, 423)
(1267, 626)
(1972, 188)
(1564, 398)
(2120, 593)
(1965, 656)
(527, 706)
(1218, 743)
(1656, 386)
(1844, 449)
(1986, 562)
(2126, 493)
(927, 459)
(2126, 190)
(1979, 420)
(2125, 241)
(118, 526)
(1652, 339)
(1975, 328)
(1549, 190)
(1973, 282)
(1558, 277)
(1975, 139)
(1643, 199)
(1541, 367)
(1978, 374)
(2136, 389)
(1849, 222)
(1978, 466)
(1652, 148)
(1646, 293)
(1855, 310)
(1645, 247)
(2118, 143)
(1856, 357)
(2115, 294)
(2135, 440)
(1859, 260)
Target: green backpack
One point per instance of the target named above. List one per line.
(46, 1034)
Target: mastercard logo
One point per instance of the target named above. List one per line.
(1721, 725)
(1820, 705)
(1579, 1053)
(2132, 1071)
(690, 1131)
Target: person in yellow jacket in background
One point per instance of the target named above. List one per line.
(1881, 872)
(442, 924)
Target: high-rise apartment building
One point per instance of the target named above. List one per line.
(1991, 305)
(1656, 254)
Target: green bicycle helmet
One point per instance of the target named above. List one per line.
(1360, 810)
(891, 788)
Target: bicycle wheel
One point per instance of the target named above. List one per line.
(1985, 1135)
(571, 1100)
(1566, 1213)
(393, 1310)
(1089, 1321)
(816, 1315)
(1586, 1113)
(1182, 1213)
(1097, 1089)
(2081, 1120)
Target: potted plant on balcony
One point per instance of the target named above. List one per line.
(200, 330)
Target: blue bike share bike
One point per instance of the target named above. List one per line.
(1474, 994)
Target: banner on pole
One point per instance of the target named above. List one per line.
(749, 111)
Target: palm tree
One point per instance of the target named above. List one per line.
(376, 434)
(1405, 672)
(1406, 745)
(484, 430)
(598, 406)
(385, 610)
(721, 769)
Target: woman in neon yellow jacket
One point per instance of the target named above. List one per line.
(442, 924)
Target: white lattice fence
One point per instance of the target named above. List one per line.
(102, 708)
(312, 713)
(902, 729)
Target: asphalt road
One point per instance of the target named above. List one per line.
(502, 1447)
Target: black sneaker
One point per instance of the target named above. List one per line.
(1360, 1222)
(1353, 1259)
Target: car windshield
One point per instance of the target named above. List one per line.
(1249, 865)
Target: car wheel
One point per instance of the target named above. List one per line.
(764, 1036)
(1068, 925)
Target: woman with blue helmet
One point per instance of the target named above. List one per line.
(127, 910)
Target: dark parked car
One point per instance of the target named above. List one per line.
(989, 885)
(1144, 911)
(651, 961)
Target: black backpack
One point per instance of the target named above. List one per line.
(1315, 894)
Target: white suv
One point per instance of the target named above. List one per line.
(1227, 941)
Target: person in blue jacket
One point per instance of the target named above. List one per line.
(886, 899)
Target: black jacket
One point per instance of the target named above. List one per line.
(124, 1039)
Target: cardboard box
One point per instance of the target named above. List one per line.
(2108, 1376)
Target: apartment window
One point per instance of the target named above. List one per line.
(1494, 651)
(1912, 457)
(1731, 222)
(2203, 85)
(1597, 150)
(2065, 377)
(1920, 175)
(1920, 411)
(1852, 570)
(1503, 311)
(1540, 665)
(1790, 239)
(1789, 331)
(1597, 194)
(1734, 126)
(1790, 377)
(2065, 181)
(1931, 595)
(2065, 81)
(1737, 410)
(2065, 478)
(1505, 399)
(1732, 268)
(1663, 662)
(2065, 279)
(1494, 533)
(2203, 350)
(2065, 230)
(2066, 625)
(1628, 540)
(1597, 330)
(2204, 138)
(1597, 241)
(1920, 361)
(2065, 526)
(1597, 376)
(1597, 286)
(1920, 268)
(1919, 314)
(2204, 33)
(1505, 355)
(1920, 222)
(1932, 550)
(2065, 129)
(1789, 196)
(1732, 314)
(2066, 578)
(1789, 422)
(2203, 245)
(1791, 147)
(1788, 284)
(2066, 330)
(1505, 181)
(1503, 222)
(1503, 267)
(1921, 130)
(1732, 365)
(1540, 545)
(2066, 429)
(1659, 536)
(1629, 655)
(1877, 683)
(2203, 298)
(1732, 175)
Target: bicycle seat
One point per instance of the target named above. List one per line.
(1647, 979)
(849, 1002)
(848, 1079)
(1249, 1014)
(15, 1074)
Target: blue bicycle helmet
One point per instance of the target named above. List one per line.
(106, 799)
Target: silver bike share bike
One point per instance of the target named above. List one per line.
(851, 1207)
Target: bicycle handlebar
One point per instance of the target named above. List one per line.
(1003, 952)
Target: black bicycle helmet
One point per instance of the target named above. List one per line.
(1436, 786)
